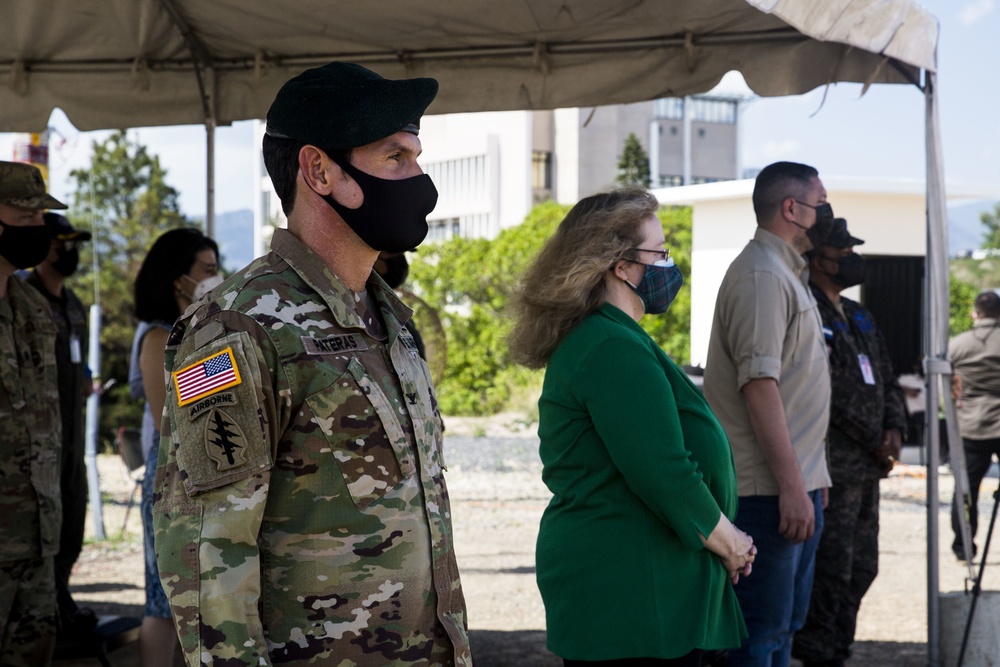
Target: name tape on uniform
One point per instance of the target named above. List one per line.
(207, 376)
(334, 344)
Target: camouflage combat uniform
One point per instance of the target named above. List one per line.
(866, 401)
(301, 514)
(30, 514)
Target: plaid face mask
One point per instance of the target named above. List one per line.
(659, 285)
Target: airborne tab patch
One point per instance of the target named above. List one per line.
(334, 344)
(206, 377)
(227, 399)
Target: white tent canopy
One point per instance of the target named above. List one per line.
(133, 63)
(127, 63)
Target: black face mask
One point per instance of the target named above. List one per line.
(393, 215)
(24, 247)
(67, 261)
(850, 270)
(821, 229)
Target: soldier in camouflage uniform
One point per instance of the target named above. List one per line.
(302, 516)
(867, 424)
(30, 433)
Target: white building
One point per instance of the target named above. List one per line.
(490, 168)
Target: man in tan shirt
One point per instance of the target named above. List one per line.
(975, 358)
(768, 382)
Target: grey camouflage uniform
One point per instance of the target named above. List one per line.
(301, 515)
(860, 414)
(30, 500)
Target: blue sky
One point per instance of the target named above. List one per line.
(879, 134)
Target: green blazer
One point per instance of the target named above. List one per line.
(638, 467)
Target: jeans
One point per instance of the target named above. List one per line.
(978, 458)
(157, 605)
(775, 597)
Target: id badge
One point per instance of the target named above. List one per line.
(75, 353)
(866, 369)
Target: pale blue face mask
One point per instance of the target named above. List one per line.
(659, 285)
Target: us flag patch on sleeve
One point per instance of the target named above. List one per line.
(207, 376)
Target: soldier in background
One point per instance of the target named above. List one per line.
(30, 437)
(70, 316)
(302, 514)
(867, 424)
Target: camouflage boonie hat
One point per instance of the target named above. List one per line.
(21, 185)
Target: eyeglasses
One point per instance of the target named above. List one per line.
(72, 245)
(662, 255)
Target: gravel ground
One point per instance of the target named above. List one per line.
(497, 501)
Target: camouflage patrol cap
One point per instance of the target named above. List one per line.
(21, 185)
(343, 105)
(840, 237)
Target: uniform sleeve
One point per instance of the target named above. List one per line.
(633, 408)
(211, 489)
(757, 326)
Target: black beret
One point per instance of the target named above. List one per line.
(343, 105)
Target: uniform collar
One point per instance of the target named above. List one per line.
(337, 296)
(784, 250)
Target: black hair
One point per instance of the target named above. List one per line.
(171, 256)
(987, 304)
(281, 159)
(776, 182)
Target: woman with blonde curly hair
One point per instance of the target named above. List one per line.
(636, 555)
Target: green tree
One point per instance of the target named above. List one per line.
(469, 283)
(633, 167)
(124, 198)
(961, 298)
(991, 221)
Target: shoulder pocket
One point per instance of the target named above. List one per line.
(364, 434)
(217, 419)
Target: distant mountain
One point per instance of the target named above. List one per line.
(234, 234)
(965, 229)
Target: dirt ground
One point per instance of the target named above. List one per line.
(497, 506)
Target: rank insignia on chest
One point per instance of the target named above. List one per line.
(206, 377)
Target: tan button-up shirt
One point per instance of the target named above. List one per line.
(767, 325)
(975, 357)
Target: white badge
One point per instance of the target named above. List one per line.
(866, 369)
(75, 354)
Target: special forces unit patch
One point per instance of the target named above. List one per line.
(224, 441)
(205, 377)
